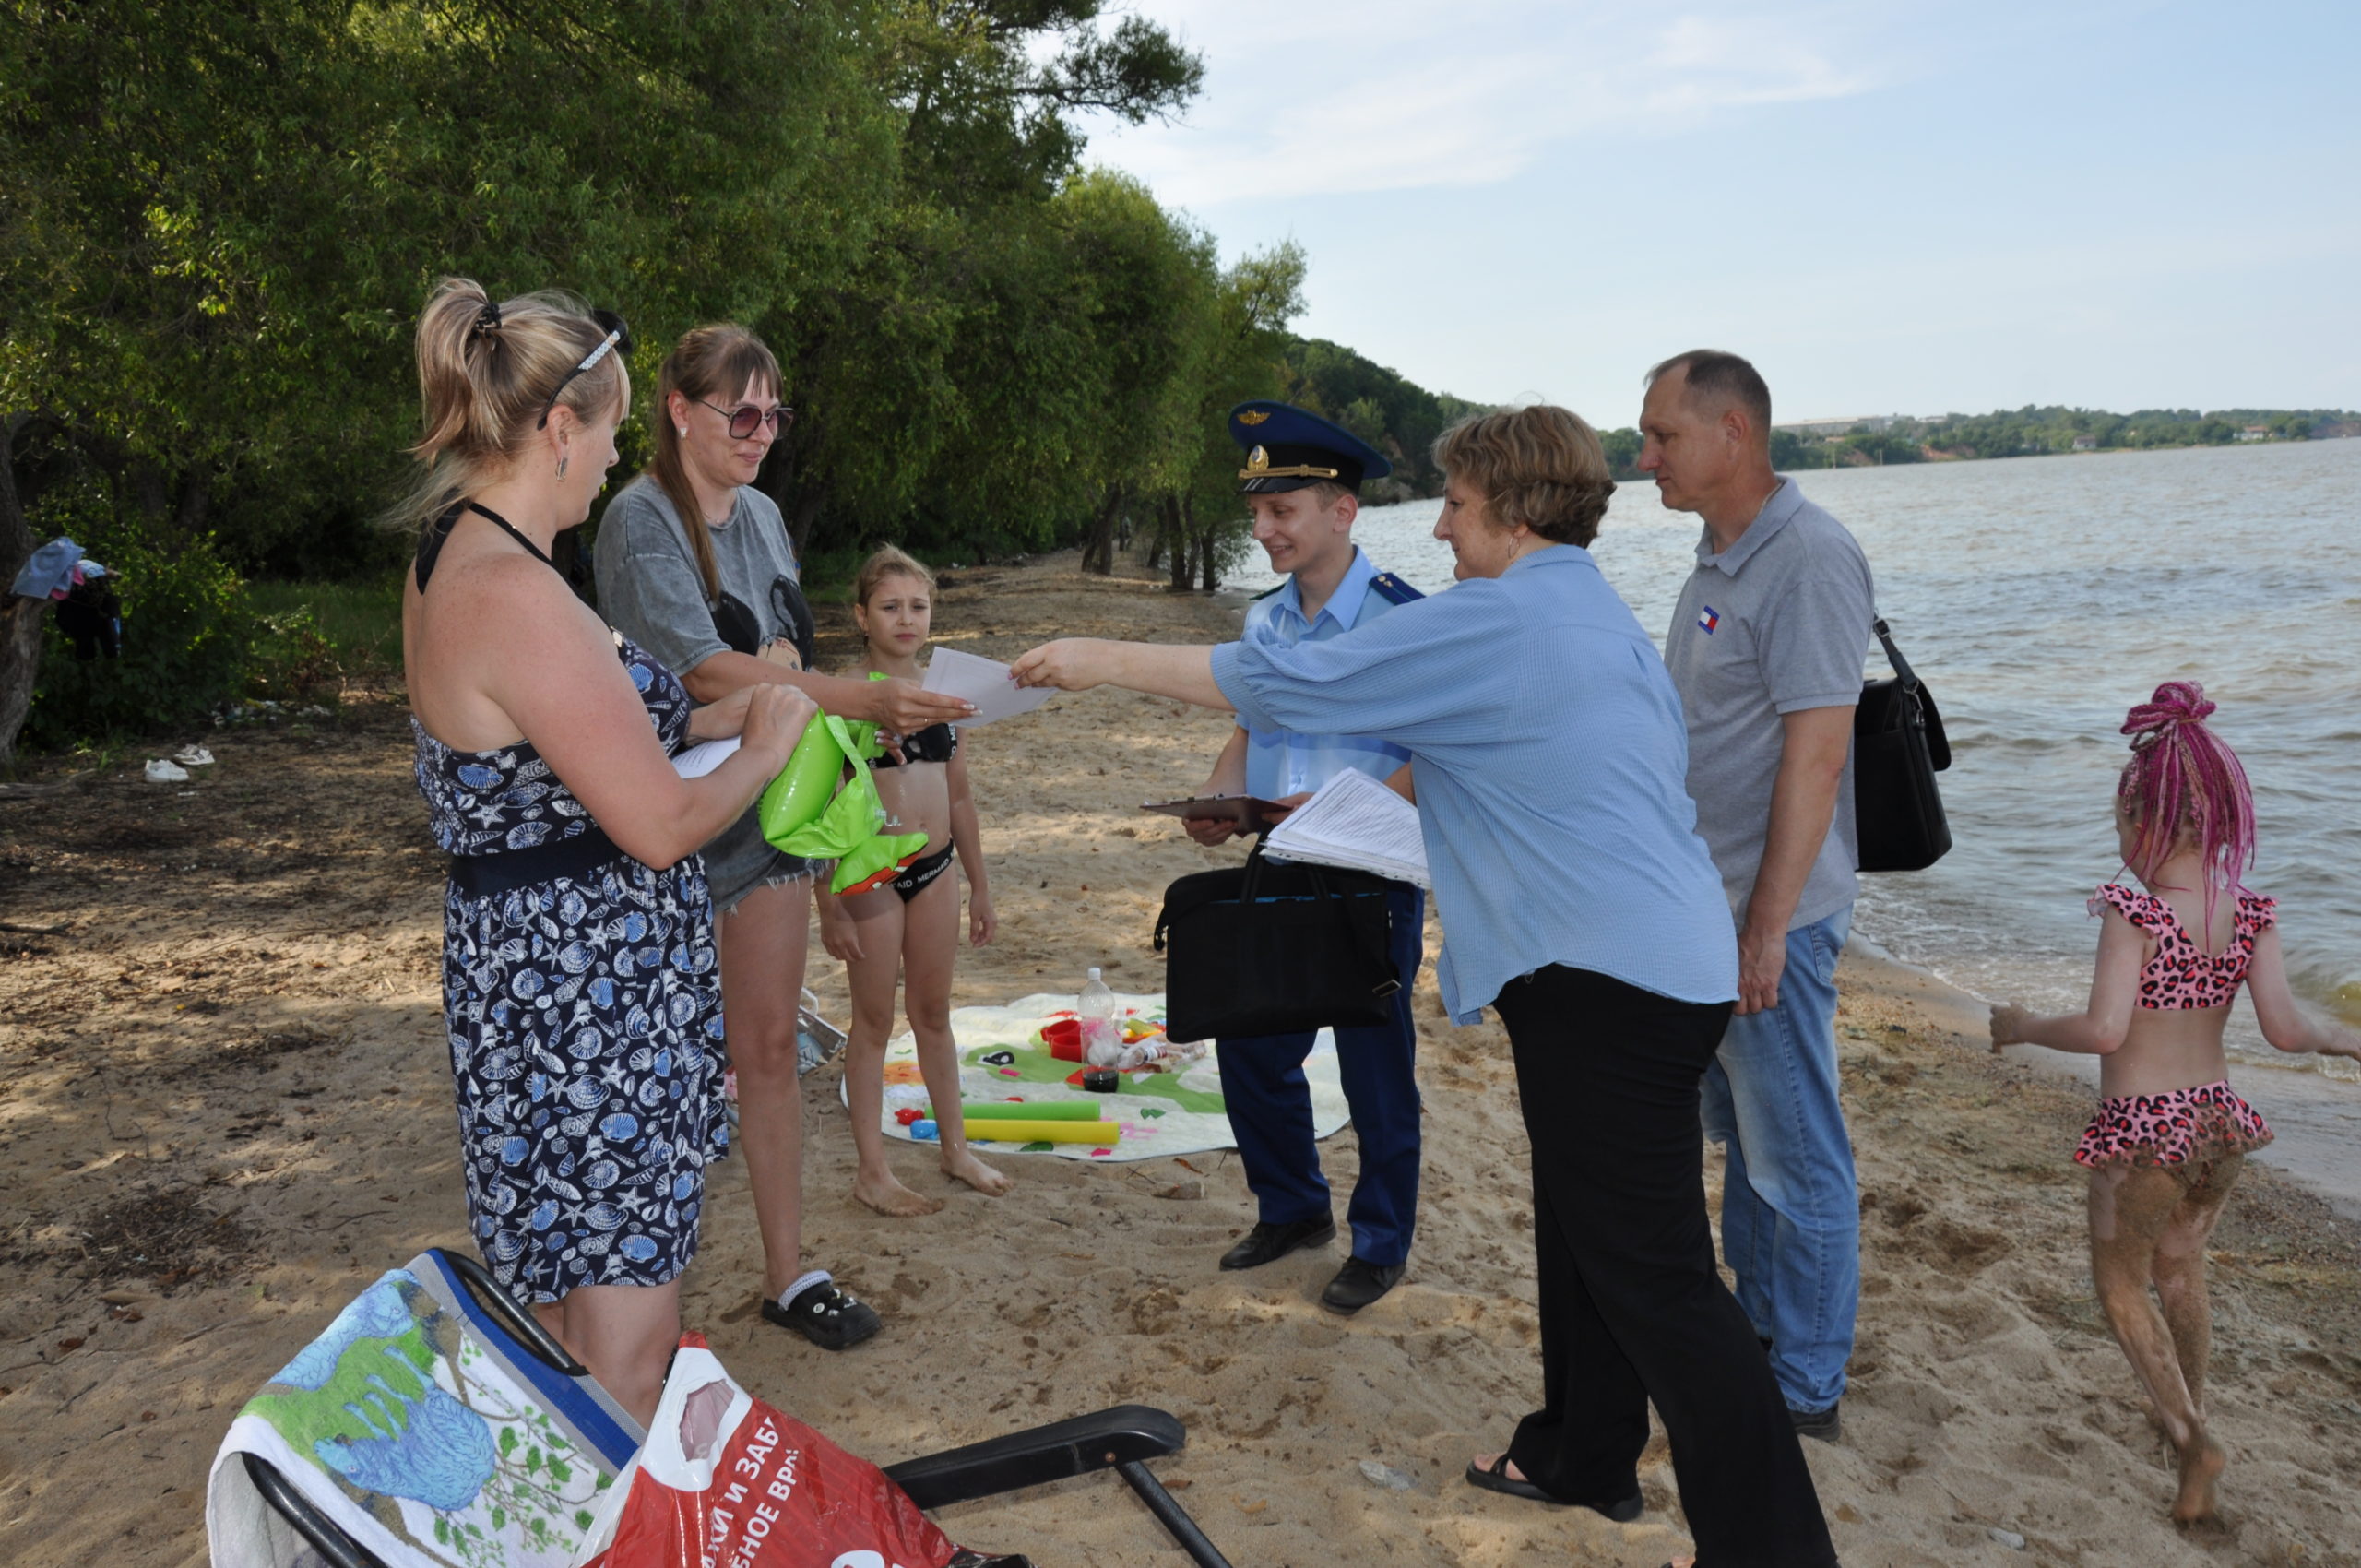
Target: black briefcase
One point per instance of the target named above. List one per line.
(1269, 948)
(1898, 747)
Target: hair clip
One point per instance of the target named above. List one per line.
(487, 319)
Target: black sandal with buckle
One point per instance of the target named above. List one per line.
(830, 1318)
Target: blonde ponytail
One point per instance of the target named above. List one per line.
(485, 370)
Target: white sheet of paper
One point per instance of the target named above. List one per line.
(1355, 820)
(984, 682)
(702, 759)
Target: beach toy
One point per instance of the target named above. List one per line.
(925, 1132)
(805, 812)
(1017, 1110)
(909, 1115)
(1100, 1080)
(1064, 1039)
(1041, 1132)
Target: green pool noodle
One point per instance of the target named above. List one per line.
(1044, 1110)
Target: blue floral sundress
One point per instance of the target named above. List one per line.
(584, 1021)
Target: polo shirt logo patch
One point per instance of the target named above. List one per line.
(1707, 619)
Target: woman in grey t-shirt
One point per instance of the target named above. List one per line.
(695, 565)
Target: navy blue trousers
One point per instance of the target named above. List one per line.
(1270, 1110)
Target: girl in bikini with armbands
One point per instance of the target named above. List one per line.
(2170, 1135)
(909, 928)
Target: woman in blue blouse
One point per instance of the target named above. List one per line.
(1550, 763)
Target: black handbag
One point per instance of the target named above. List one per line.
(1898, 747)
(1271, 948)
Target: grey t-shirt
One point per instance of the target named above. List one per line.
(649, 587)
(650, 590)
(1777, 623)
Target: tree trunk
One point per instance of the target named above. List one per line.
(152, 494)
(1176, 528)
(21, 620)
(799, 499)
(1098, 548)
(197, 492)
(1209, 575)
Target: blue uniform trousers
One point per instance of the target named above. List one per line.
(1270, 1110)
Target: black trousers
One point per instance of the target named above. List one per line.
(1632, 1309)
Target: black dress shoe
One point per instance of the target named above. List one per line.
(1358, 1283)
(1268, 1243)
(1826, 1425)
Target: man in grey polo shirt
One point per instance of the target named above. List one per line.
(1766, 649)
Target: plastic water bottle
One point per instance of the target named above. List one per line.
(1094, 1008)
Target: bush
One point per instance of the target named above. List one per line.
(190, 644)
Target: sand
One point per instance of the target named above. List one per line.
(224, 1107)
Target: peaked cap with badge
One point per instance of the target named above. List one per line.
(1287, 448)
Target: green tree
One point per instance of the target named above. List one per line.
(220, 221)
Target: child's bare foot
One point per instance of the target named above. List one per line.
(888, 1196)
(961, 1166)
(2200, 1467)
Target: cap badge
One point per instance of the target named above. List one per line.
(1254, 416)
(1257, 460)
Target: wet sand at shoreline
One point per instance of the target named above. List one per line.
(225, 1108)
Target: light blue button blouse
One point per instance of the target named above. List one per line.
(1287, 762)
(1547, 747)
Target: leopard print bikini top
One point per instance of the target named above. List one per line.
(2183, 976)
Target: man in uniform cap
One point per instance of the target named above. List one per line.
(1302, 478)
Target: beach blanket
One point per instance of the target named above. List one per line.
(409, 1426)
(1003, 1057)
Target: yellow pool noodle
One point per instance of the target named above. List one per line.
(996, 1131)
(1045, 1111)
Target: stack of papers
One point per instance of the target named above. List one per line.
(1356, 822)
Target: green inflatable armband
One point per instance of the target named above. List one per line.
(803, 812)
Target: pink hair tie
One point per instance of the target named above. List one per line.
(2175, 702)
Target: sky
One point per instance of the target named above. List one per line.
(1891, 209)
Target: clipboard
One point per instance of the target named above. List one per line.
(1250, 814)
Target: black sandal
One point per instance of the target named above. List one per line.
(830, 1318)
(1495, 1478)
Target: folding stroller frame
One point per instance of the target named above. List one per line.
(1122, 1439)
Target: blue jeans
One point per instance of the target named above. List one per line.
(1791, 1217)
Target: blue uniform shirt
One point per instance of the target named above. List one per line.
(1550, 759)
(1287, 762)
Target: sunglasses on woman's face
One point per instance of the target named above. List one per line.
(745, 419)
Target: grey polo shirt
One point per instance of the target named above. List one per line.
(1777, 623)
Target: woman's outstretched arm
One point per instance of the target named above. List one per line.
(1161, 669)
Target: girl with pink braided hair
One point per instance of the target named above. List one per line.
(2170, 1135)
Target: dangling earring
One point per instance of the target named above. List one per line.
(563, 459)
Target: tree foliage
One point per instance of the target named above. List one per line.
(216, 224)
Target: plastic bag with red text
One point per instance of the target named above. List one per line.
(726, 1481)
